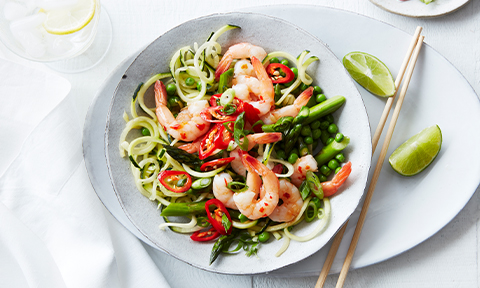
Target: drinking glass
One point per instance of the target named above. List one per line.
(23, 30)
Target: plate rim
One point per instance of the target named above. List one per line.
(332, 55)
(388, 9)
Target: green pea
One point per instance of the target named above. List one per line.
(332, 128)
(338, 169)
(340, 157)
(281, 154)
(145, 132)
(316, 134)
(274, 60)
(333, 164)
(284, 62)
(295, 71)
(339, 137)
(324, 137)
(292, 158)
(189, 81)
(324, 125)
(322, 178)
(294, 150)
(320, 98)
(325, 170)
(242, 218)
(174, 101)
(306, 131)
(315, 125)
(329, 140)
(314, 144)
(304, 86)
(308, 140)
(317, 89)
(264, 236)
(329, 118)
(171, 89)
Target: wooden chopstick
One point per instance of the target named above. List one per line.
(378, 167)
(388, 105)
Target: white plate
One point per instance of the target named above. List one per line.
(404, 211)
(260, 30)
(395, 223)
(418, 9)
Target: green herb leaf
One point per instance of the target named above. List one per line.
(229, 109)
(238, 132)
(226, 223)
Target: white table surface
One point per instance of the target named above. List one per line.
(444, 260)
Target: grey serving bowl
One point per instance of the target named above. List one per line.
(272, 34)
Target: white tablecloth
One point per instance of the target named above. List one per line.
(42, 218)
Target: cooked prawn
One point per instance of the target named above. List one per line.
(292, 203)
(247, 201)
(191, 147)
(244, 86)
(290, 110)
(331, 187)
(253, 139)
(188, 125)
(238, 51)
(243, 67)
(301, 167)
(266, 95)
(224, 194)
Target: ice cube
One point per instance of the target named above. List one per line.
(55, 4)
(31, 40)
(59, 45)
(14, 11)
(36, 51)
(28, 22)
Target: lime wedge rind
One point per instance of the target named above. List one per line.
(418, 152)
(371, 73)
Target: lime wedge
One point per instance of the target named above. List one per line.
(66, 21)
(370, 72)
(413, 156)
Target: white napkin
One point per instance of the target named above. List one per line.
(54, 231)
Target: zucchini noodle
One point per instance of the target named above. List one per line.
(174, 177)
(186, 227)
(302, 74)
(284, 247)
(321, 225)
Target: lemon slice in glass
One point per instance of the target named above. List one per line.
(70, 20)
(413, 156)
(370, 72)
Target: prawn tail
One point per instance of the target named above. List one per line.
(303, 98)
(253, 163)
(223, 65)
(160, 94)
(331, 187)
(191, 147)
(265, 138)
(259, 69)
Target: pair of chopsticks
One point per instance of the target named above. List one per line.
(414, 48)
